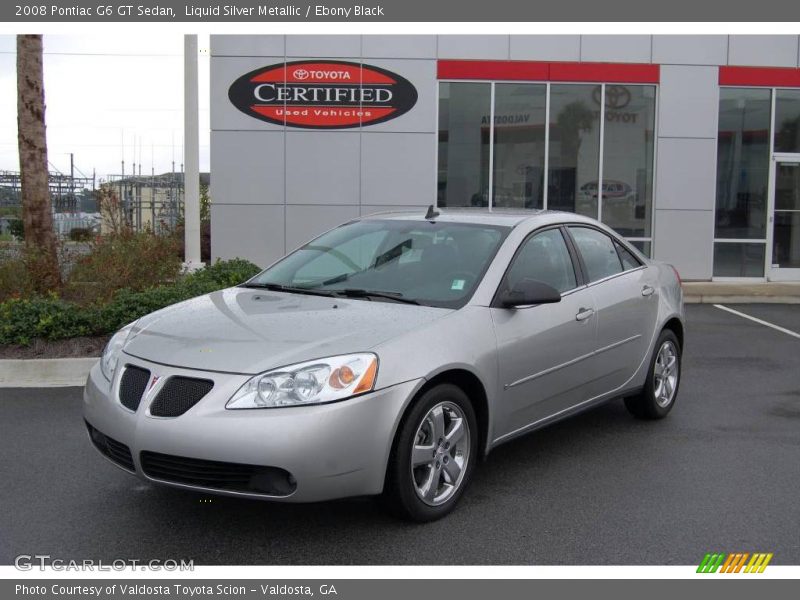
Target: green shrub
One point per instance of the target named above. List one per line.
(128, 305)
(52, 318)
(226, 273)
(81, 234)
(47, 317)
(16, 227)
(14, 279)
(127, 260)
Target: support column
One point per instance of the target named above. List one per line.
(191, 146)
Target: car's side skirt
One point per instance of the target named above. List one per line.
(564, 414)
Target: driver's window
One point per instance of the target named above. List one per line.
(543, 257)
(343, 259)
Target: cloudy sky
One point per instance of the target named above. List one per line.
(108, 99)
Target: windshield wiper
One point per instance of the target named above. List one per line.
(277, 287)
(359, 293)
(338, 278)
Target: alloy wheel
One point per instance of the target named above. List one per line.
(666, 372)
(440, 454)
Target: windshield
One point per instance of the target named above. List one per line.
(431, 263)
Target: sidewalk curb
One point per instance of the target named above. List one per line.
(45, 372)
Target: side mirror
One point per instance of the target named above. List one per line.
(529, 291)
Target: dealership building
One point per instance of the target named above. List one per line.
(688, 146)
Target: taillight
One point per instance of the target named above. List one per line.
(678, 275)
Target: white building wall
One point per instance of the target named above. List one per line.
(275, 187)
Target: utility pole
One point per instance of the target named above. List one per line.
(191, 144)
(73, 201)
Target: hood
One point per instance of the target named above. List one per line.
(240, 330)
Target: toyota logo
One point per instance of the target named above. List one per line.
(301, 74)
(617, 96)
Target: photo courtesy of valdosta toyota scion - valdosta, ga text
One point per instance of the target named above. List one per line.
(173, 589)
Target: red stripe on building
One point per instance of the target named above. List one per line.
(520, 70)
(759, 76)
(605, 72)
(516, 70)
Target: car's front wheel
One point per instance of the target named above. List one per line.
(433, 455)
(661, 387)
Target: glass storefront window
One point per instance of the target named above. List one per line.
(628, 142)
(644, 247)
(786, 232)
(537, 151)
(464, 129)
(786, 240)
(519, 145)
(787, 121)
(733, 259)
(574, 148)
(743, 164)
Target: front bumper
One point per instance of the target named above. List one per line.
(331, 451)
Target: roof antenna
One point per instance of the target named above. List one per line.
(432, 213)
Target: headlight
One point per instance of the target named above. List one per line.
(312, 382)
(108, 362)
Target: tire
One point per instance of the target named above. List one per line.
(438, 414)
(660, 392)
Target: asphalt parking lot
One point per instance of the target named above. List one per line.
(721, 473)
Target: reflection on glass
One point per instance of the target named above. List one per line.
(786, 240)
(519, 132)
(464, 110)
(628, 159)
(742, 163)
(574, 148)
(787, 121)
(738, 260)
(644, 247)
(787, 186)
(786, 232)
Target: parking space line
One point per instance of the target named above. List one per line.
(759, 321)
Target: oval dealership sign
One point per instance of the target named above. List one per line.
(323, 94)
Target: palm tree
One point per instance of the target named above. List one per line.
(37, 216)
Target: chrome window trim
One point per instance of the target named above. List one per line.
(615, 275)
(614, 238)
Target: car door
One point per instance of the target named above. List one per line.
(543, 349)
(626, 300)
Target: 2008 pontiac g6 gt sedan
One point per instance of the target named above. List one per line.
(387, 357)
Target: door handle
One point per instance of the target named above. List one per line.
(648, 290)
(584, 314)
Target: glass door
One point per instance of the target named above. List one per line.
(785, 263)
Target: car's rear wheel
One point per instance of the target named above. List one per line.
(661, 388)
(433, 455)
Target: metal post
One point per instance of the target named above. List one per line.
(72, 200)
(191, 145)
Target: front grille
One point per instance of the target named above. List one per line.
(114, 450)
(178, 395)
(132, 385)
(218, 475)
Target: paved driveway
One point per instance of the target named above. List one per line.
(721, 473)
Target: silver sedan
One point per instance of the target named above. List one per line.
(387, 356)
